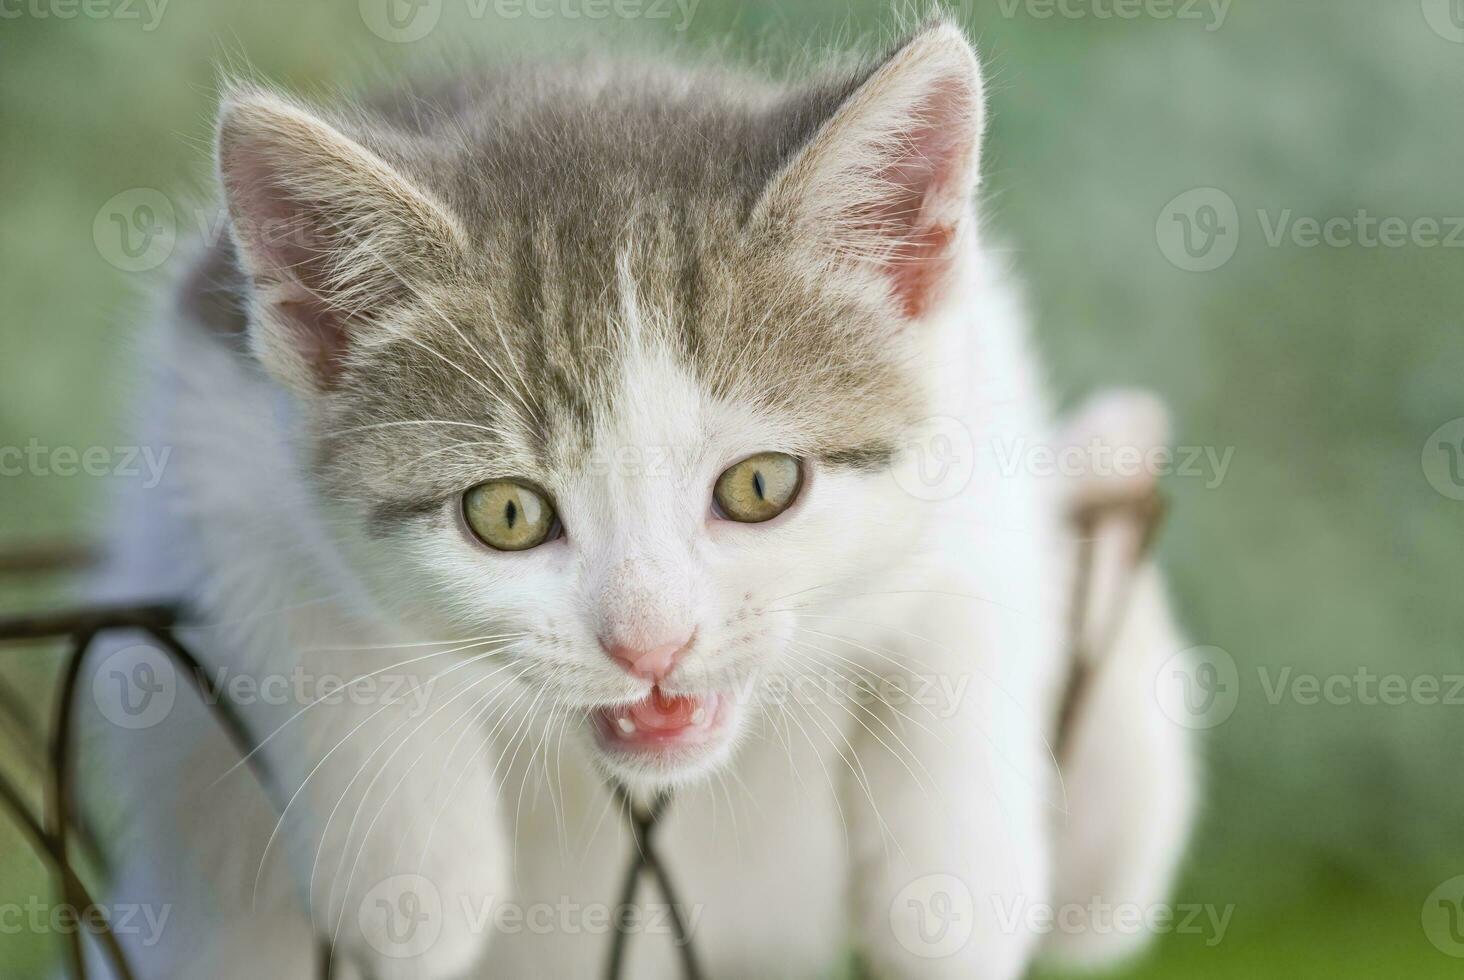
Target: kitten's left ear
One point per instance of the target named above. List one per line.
(331, 235)
(886, 181)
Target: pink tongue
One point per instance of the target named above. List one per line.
(659, 713)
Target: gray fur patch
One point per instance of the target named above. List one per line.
(566, 183)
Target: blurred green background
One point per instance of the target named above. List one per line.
(1326, 368)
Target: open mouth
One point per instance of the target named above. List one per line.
(661, 724)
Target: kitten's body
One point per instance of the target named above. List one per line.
(804, 838)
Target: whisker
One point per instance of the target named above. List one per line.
(351, 430)
(818, 757)
(325, 830)
(929, 592)
(335, 692)
(304, 782)
(878, 679)
(406, 646)
(473, 758)
(995, 686)
(386, 801)
(528, 765)
(893, 734)
(861, 777)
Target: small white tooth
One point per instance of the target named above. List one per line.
(699, 716)
(626, 725)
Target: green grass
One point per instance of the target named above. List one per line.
(1325, 368)
(1329, 934)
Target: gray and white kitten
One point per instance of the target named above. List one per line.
(585, 404)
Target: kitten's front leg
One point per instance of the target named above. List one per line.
(946, 807)
(395, 837)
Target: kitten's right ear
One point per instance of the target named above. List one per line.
(329, 233)
(885, 183)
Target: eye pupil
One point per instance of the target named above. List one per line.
(759, 488)
(509, 516)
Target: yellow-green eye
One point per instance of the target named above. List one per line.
(759, 488)
(509, 516)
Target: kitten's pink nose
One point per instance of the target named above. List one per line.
(652, 663)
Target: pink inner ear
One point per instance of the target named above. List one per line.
(321, 334)
(927, 183)
(287, 250)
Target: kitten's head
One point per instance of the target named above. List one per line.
(612, 364)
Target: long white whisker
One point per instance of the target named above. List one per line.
(861, 777)
(386, 801)
(335, 692)
(409, 646)
(878, 680)
(504, 714)
(304, 782)
(893, 734)
(350, 430)
(1012, 699)
(818, 757)
(325, 830)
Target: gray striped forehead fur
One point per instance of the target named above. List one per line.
(607, 212)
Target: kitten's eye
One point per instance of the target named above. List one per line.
(759, 488)
(509, 516)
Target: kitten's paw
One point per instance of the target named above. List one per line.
(409, 891)
(434, 924)
(944, 884)
(407, 927)
(939, 926)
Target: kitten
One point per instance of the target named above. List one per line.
(584, 405)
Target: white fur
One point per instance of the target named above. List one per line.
(803, 833)
(763, 849)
